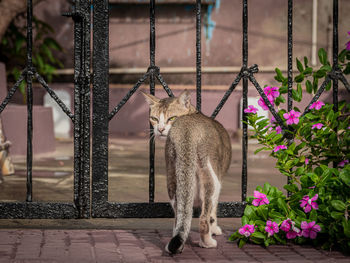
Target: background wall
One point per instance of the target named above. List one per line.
(175, 47)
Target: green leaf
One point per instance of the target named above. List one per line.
(328, 86)
(279, 77)
(245, 220)
(345, 176)
(322, 55)
(337, 215)
(299, 66)
(283, 89)
(299, 91)
(313, 215)
(282, 205)
(338, 205)
(274, 214)
(299, 78)
(306, 62)
(258, 235)
(241, 243)
(347, 69)
(261, 149)
(293, 188)
(308, 86)
(320, 73)
(267, 188)
(262, 211)
(308, 71)
(249, 212)
(346, 226)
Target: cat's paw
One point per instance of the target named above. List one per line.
(209, 243)
(216, 231)
(175, 246)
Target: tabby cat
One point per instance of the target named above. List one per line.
(197, 154)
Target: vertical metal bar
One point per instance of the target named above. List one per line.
(335, 53)
(198, 55)
(245, 99)
(290, 54)
(82, 107)
(290, 64)
(29, 101)
(100, 114)
(152, 91)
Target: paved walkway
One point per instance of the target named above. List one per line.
(32, 245)
(131, 240)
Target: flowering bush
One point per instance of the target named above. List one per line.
(316, 161)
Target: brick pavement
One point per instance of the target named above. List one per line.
(32, 245)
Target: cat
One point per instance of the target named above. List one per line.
(197, 153)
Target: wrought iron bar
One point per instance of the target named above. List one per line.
(335, 53)
(290, 54)
(81, 18)
(198, 56)
(227, 95)
(163, 83)
(54, 96)
(29, 101)
(290, 66)
(245, 100)
(344, 81)
(128, 95)
(317, 95)
(13, 90)
(101, 115)
(152, 91)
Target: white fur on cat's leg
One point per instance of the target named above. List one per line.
(215, 229)
(208, 242)
(173, 204)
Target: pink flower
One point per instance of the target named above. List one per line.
(307, 161)
(251, 109)
(278, 129)
(292, 117)
(261, 199)
(317, 126)
(291, 230)
(280, 147)
(317, 105)
(246, 230)
(271, 92)
(342, 163)
(307, 204)
(310, 229)
(263, 105)
(271, 228)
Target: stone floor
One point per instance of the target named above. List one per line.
(45, 245)
(130, 240)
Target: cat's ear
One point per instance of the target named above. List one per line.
(151, 100)
(185, 98)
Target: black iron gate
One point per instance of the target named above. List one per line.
(100, 206)
(80, 208)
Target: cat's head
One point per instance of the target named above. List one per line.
(163, 112)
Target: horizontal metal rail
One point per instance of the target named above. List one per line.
(178, 70)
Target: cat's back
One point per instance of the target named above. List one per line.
(198, 128)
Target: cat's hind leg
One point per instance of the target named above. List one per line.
(215, 229)
(207, 190)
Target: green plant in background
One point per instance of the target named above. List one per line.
(13, 50)
(317, 163)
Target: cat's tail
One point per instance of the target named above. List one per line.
(185, 180)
